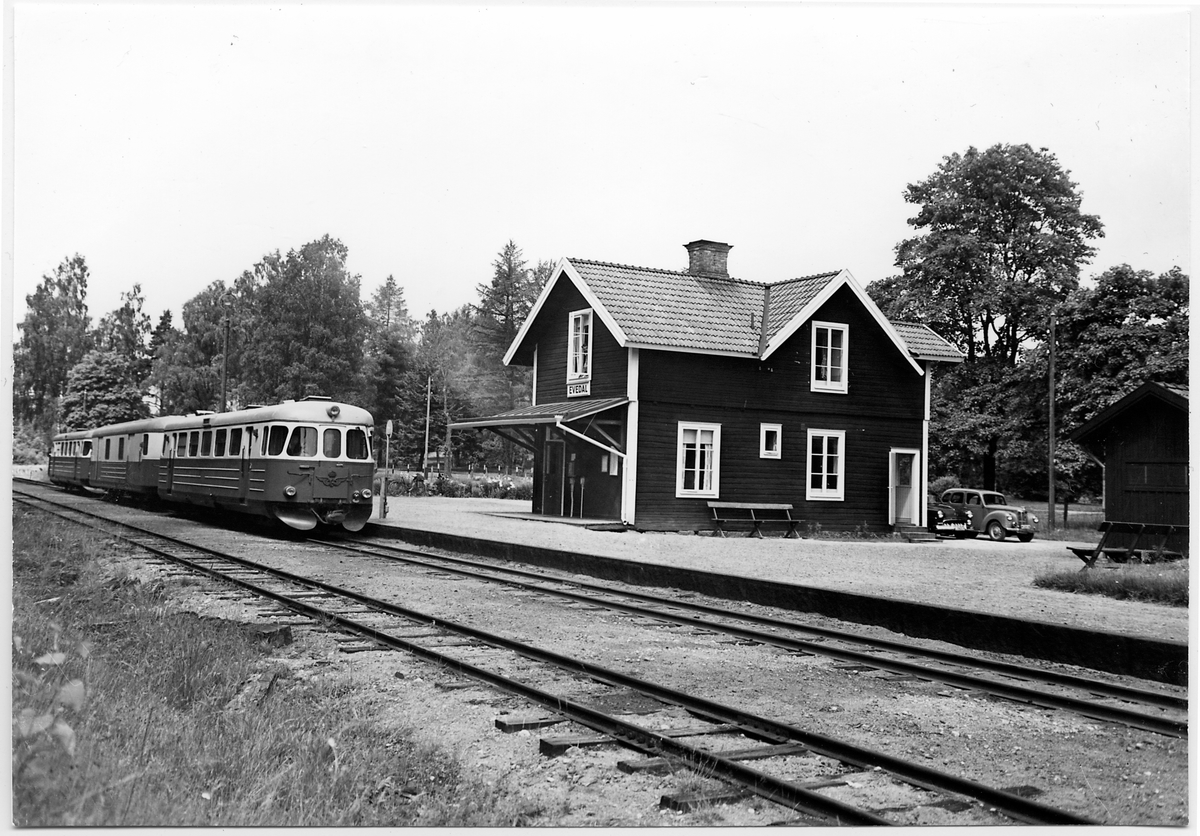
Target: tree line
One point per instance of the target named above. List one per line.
(292, 325)
(999, 244)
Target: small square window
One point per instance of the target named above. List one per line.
(770, 441)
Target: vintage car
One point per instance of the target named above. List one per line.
(991, 514)
(948, 520)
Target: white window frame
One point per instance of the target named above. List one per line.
(823, 493)
(574, 374)
(763, 451)
(714, 489)
(839, 387)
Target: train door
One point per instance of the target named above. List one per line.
(553, 476)
(169, 454)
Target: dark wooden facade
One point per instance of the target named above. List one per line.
(882, 409)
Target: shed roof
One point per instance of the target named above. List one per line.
(1091, 433)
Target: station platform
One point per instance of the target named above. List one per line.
(973, 593)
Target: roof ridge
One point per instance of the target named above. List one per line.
(823, 275)
(682, 273)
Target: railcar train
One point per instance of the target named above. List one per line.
(305, 463)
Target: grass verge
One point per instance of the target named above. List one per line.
(129, 713)
(1155, 583)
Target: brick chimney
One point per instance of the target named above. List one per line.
(708, 258)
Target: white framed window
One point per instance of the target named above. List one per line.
(830, 352)
(826, 465)
(579, 353)
(770, 441)
(698, 462)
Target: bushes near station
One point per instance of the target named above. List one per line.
(1154, 583)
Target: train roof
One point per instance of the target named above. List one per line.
(316, 410)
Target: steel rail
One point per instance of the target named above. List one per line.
(1010, 804)
(1124, 716)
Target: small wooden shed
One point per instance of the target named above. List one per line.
(1141, 441)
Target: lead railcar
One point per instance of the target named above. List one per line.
(302, 462)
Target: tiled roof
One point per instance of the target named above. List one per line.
(677, 310)
(789, 298)
(924, 344)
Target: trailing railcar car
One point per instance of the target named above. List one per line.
(303, 463)
(71, 459)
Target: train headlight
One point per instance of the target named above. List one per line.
(334, 411)
(366, 493)
(289, 491)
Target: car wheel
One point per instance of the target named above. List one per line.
(1024, 538)
(995, 531)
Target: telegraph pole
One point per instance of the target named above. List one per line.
(227, 303)
(428, 396)
(1050, 468)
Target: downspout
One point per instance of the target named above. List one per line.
(766, 319)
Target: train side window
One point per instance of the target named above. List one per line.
(166, 445)
(276, 440)
(107, 449)
(304, 442)
(206, 443)
(180, 445)
(145, 443)
(356, 444)
(193, 442)
(332, 446)
(235, 441)
(121, 449)
(87, 449)
(219, 443)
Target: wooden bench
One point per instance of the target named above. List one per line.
(1156, 535)
(757, 514)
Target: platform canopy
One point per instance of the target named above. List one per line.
(559, 414)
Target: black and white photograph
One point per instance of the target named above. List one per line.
(604, 414)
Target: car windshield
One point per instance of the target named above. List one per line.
(994, 499)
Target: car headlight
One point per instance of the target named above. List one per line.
(970, 516)
(1008, 517)
(290, 490)
(1034, 518)
(366, 494)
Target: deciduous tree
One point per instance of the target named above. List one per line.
(1001, 242)
(54, 337)
(102, 389)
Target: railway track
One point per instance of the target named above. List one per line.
(1156, 711)
(486, 656)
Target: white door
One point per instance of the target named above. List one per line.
(903, 487)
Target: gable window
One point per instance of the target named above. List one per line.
(579, 354)
(826, 464)
(830, 344)
(770, 441)
(698, 462)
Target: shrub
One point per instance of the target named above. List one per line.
(1154, 583)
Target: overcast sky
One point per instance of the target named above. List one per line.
(175, 145)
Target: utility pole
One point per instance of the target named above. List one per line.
(227, 303)
(428, 401)
(1050, 468)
